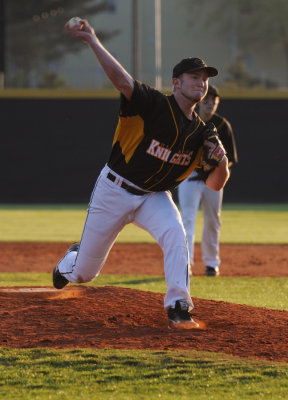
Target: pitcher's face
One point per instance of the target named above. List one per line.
(192, 85)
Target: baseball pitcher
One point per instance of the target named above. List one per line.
(158, 142)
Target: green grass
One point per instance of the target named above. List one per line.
(259, 292)
(266, 224)
(113, 374)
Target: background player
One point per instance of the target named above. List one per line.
(193, 191)
(158, 142)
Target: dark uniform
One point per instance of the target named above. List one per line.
(155, 146)
(226, 136)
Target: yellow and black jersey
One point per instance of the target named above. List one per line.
(155, 146)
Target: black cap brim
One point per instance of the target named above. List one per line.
(211, 71)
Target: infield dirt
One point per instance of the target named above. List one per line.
(102, 317)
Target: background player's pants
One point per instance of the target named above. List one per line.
(111, 208)
(191, 194)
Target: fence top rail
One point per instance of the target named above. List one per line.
(112, 93)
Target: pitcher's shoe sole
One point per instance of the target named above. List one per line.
(182, 324)
(179, 316)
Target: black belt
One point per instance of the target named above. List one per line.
(125, 186)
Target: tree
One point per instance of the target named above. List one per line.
(34, 29)
(252, 24)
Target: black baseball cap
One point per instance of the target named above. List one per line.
(213, 91)
(191, 65)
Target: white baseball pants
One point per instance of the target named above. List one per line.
(191, 194)
(111, 208)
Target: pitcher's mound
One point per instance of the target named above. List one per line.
(102, 317)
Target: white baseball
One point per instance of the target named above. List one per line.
(74, 22)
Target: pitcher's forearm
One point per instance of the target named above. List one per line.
(118, 76)
(218, 178)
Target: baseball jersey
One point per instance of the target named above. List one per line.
(226, 136)
(155, 146)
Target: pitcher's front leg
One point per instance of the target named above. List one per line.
(160, 216)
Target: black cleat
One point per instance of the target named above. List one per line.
(180, 318)
(211, 271)
(59, 281)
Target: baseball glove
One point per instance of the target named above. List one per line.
(213, 150)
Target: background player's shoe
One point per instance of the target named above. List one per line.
(59, 281)
(211, 271)
(179, 317)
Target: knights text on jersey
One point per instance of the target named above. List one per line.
(155, 146)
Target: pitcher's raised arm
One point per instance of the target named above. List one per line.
(118, 76)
